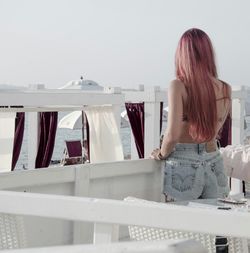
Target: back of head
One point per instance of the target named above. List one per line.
(195, 67)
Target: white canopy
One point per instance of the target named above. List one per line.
(82, 85)
(72, 121)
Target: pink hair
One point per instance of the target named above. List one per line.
(195, 67)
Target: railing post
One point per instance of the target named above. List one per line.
(7, 133)
(105, 233)
(32, 131)
(238, 110)
(81, 229)
(152, 99)
(117, 107)
(152, 123)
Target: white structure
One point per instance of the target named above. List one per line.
(37, 99)
(151, 98)
(83, 84)
(238, 115)
(116, 180)
(61, 100)
(7, 126)
(109, 215)
(40, 100)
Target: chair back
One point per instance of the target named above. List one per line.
(137, 233)
(72, 153)
(12, 232)
(74, 148)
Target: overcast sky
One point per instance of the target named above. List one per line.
(116, 42)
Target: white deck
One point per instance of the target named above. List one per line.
(117, 180)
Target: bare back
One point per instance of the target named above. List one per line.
(223, 104)
(178, 125)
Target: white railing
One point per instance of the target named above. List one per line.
(34, 101)
(64, 100)
(117, 180)
(61, 100)
(239, 95)
(163, 246)
(152, 99)
(108, 180)
(108, 215)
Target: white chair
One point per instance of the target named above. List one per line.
(12, 233)
(235, 245)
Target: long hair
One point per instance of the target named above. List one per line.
(195, 67)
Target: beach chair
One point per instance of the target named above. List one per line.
(72, 152)
(209, 241)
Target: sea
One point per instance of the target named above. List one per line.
(63, 134)
(68, 134)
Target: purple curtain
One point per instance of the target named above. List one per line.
(135, 112)
(18, 138)
(225, 134)
(46, 138)
(161, 112)
(87, 144)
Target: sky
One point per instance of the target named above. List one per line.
(116, 42)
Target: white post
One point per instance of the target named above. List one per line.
(32, 138)
(32, 131)
(152, 124)
(7, 134)
(152, 99)
(238, 108)
(82, 181)
(133, 150)
(117, 107)
(105, 233)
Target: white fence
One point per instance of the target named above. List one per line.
(128, 247)
(239, 96)
(108, 215)
(139, 178)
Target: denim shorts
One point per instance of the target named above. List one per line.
(191, 173)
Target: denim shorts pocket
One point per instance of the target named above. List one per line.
(183, 180)
(218, 169)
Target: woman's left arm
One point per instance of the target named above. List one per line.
(175, 121)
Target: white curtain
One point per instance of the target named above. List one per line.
(105, 141)
(7, 132)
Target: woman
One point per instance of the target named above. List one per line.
(198, 105)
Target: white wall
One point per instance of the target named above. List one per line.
(124, 42)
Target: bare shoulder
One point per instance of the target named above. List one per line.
(226, 84)
(227, 88)
(177, 86)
